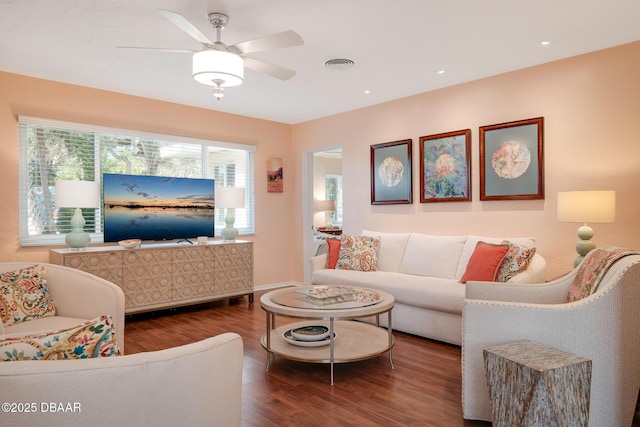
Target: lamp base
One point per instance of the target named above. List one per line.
(77, 239)
(585, 244)
(229, 233)
(327, 220)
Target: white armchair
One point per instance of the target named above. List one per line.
(198, 384)
(78, 296)
(603, 327)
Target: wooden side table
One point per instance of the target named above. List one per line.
(334, 231)
(531, 384)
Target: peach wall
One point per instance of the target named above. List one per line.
(591, 107)
(42, 98)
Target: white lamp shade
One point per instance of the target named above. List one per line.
(229, 197)
(77, 194)
(211, 67)
(587, 206)
(325, 205)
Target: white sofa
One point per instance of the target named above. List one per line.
(77, 296)
(602, 327)
(198, 384)
(423, 274)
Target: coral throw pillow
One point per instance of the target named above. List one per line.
(485, 262)
(358, 253)
(95, 338)
(24, 296)
(333, 252)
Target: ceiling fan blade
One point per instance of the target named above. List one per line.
(274, 41)
(159, 49)
(270, 69)
(186, 26)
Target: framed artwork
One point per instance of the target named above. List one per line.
(445, 167)
(391, 173)
(275, 178)
(511, 162)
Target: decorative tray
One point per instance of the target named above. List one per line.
(288, 337)
(322, 292)
(329, 295)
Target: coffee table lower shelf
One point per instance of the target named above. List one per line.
(354, 341)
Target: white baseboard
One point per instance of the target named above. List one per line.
(276, 286)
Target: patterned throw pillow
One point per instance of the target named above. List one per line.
(24, 296)
(95, 338)
(517, 260)
(358, 253)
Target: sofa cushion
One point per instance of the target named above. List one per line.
(472, 240)
(359, 253)
(432, 293)
(433, 256)
(515, 262)
(41, 326)
(392, 248)
(485, 262)
(94, 338)
(24, 295)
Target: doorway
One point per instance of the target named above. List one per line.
(322, 198)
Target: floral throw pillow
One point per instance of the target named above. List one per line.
(24, 296)
(358, 253)
(516, 261)
(94, 338)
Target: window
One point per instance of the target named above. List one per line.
(52, 150)
(333, 191)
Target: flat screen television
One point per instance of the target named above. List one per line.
(157, 208)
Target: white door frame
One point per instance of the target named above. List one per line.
(307, 207)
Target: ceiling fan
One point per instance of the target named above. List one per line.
(219, 65)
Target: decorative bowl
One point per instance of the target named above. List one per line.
(310, 333)
(291, 340)
(130, 243)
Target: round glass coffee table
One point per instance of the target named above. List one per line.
(331, 308)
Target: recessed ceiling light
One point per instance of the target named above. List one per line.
(367, 91)
(441, 71)
(545, 42)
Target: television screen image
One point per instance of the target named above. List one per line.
(157, 208)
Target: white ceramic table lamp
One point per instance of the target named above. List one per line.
(586, 206)
(326, 206)
(230, 198)
(77, 195)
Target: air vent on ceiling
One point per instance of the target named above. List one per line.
(339, 64)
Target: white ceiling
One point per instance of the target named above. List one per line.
(398, 47)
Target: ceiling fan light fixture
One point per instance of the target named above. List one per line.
(218, 68)
(218, 90)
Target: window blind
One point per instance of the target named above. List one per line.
(52, 150)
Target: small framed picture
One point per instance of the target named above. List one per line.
(511, 161)
(275, 176)
(445, 167)
(391, 178)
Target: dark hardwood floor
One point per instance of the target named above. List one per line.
(423, 390)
